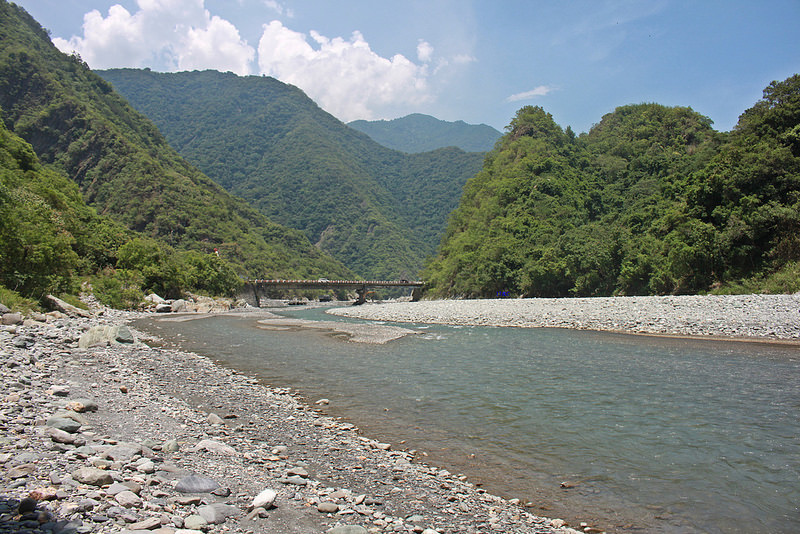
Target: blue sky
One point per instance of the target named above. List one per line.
(477, 61)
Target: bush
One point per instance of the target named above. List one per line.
(16, 302)
(118, 288)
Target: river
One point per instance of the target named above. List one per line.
(632, 433)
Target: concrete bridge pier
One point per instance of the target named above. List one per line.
(362, 296)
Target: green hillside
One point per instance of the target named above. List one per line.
(651, 201)
(378, 211)
(124, 167)
(421, 133)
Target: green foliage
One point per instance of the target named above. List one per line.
(119, 288)
(378, 211)
(16, 302)
(651, 201)
(124, 168)
(422, 133)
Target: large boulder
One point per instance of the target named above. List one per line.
(66, 307)
(99, 336)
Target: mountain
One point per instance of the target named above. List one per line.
(422, 133)
(78, 125)
(651, 201)
(379, 211)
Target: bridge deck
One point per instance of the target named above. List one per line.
(333, 284)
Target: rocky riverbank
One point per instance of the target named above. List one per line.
(754, 317)
(102, 433)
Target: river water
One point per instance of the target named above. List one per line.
(632, 433)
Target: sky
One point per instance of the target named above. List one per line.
(473, 60)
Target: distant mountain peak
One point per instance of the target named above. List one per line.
(422, 133)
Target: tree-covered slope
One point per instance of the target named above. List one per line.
(47, 233)
(379, 211)
(651, 201)
(421, 133)
(124, 167)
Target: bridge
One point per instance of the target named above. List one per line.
(360, 286)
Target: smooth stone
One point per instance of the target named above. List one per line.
(128, 499)
(146, 467)
(194, 522)
(196, 484)
(170, 445)
(297, 471)
(62, 423)
(217, 512)
(60, 436)
(146, 524)
(124, 335)
(265, 499)
(328, 507)
(4, 309)
(82, 405)
(116, 488)
(92, 476)
(12, 319)
(123, 452)
(21, 471)
(163, 307)
(348, 529)
(59, 390)
(214, 419)
(212, 445)
(295, 480)
(67, 308)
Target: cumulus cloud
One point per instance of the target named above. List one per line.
(345, 77)
(178, 34)
(424, 51)
(541, 90)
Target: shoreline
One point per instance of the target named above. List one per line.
(137, 421)
(740, 318)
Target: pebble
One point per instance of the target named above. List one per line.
(151, 461)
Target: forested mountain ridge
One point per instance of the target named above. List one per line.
(124, 167)
(421, 133)
(379, 211)
(651, 201)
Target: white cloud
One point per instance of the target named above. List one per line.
(345, 77)
(541, 90)
(279, 8)
(424, 51)
(169, 34)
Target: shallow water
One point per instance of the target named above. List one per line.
(649, 434)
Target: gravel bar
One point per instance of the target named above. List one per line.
(100, 432)
(750, 317)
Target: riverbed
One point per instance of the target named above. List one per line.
(634, 433)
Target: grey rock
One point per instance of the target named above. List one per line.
(61, 436)
(194, 522)
(150, 523)
(4, 309)
(295, 480)
(214, 419)
(123, 452)
(179, 305)
(265, 499)
(128, 499)
(124, 335)
(348, 529)
(328, 507)
(12, 318)
(212, 445)
(170, 446)
(217, 512)
(196, 484)
(67, 308)
(92, 476)
(82, 405)
(62, 423)
(163, 308)
(116, 488)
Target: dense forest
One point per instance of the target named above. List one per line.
(379, 211)
(651, 200)
(78, 127)
(422, 133)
